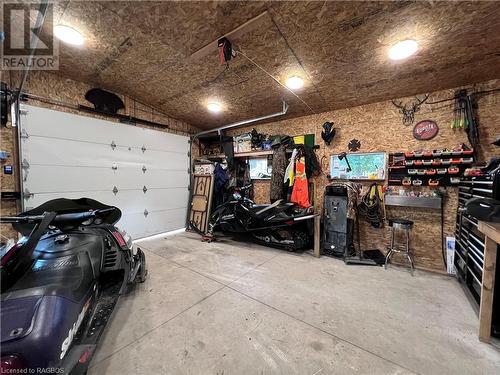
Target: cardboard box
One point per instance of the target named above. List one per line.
(242, 143)
(450, 255)
(204, 168)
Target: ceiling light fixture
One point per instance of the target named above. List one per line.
(294, 83)
(214, 107)
(68, 35)
(403, 49)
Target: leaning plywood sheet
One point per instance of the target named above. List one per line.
(201, 201)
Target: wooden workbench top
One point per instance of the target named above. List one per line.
(491, 230)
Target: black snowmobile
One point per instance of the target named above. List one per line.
(60, 284)
(282, 225)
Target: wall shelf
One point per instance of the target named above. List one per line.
(256, 154)
(404, 201)
(252, 154)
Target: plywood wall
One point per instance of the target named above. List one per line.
(379, 128)
(49, 85)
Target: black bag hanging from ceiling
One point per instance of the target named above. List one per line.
(104, 101)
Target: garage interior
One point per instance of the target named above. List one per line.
(315, 185)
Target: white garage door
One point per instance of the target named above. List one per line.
(143, 172)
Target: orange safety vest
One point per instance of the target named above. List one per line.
(300, 192)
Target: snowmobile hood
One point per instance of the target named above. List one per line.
(17, 315)
(63, 206)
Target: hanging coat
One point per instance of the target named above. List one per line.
(300, 192)
(290, 169)
(221, 179)
(278, 176)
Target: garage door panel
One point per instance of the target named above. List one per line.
(162, 160)
(55, 124)
(162, 178)
(131, 199)
(61, 152)
(99, 131)
(137, 201)
(37, 199)
(156, 222)
(134, 222)
(70, 156)
(46, 178)
(172, 142)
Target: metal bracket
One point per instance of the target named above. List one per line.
(144, 189)
(146, 213)
(28, 194)
(113, 145)
(25, 166)
(24, 134)
(143, 148)
(115, 190)
(144, 169)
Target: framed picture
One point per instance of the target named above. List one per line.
(260, 168)
(364, 166)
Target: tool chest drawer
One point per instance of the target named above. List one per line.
(477, 187)
(469, 242)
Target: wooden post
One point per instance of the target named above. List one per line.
(487, 290)
(491, 232)
(317, 234)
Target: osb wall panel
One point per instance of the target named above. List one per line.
(52, 86)
(379, 128)
(8, 182)
(261, 191)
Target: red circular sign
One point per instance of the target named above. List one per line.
(425, 130)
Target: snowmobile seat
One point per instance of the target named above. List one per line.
(268, 207)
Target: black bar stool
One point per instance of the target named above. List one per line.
(400, 225)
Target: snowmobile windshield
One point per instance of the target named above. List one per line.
(66, 206)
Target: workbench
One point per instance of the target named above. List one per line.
(491, 232)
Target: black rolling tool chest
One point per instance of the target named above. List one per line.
(469, 242)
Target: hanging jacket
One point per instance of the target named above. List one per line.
(220, 180)
(312, 164)
(300, 193)
(290, 169)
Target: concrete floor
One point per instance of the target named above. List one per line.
(237, 308)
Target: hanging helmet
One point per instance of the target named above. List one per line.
(328, 132)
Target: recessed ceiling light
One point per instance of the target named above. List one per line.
(68, 35)
(402, 50)
(214, 107)
(294, 83)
